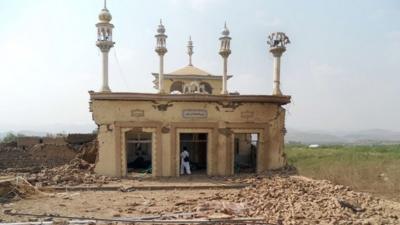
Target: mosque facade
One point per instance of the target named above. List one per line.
(225, 133)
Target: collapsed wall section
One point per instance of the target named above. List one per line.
(40, 155)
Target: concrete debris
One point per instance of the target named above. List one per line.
(298, 200)
(50, 165)
(279, 197)
(76, 172)
(16, 188)
(224, 207)
(89, 152)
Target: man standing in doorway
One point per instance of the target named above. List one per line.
(185, 161)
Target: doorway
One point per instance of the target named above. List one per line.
(196, 145)
(246, 146)
(138, 152)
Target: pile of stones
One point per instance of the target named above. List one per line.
(77, 172)
(299, 200)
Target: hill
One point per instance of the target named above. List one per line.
(372, 136)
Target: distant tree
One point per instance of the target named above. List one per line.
(10, 137)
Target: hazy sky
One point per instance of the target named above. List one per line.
(342, 68)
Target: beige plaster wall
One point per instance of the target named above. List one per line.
(277, 132)
(165, 121)
(107, 159)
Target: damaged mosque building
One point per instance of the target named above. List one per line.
(225, 133)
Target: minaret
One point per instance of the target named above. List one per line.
(225, 51)
(190, 50)
(161, 49)
(277, 42)
(104, 42)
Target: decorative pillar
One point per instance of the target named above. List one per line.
(105, 43)
(161, 49)
(225, 51)
(190, 50)
(277, 42)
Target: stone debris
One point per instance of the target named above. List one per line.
(224, 207)
(89, 152)
(279, 197)
(49, 164)
(298, 200)
(77, 172)
(16, 188)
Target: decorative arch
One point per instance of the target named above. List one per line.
(177, 86)
(206, 87)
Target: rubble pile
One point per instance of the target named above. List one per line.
(16, 188)
(76, 172)
(88, 151)
(298, 200)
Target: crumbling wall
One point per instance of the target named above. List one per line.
(28, 142)
(80, 139)
(89, 152)
(219, 119)
(54, 140)
(40, 155)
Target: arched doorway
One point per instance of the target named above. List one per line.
(206, 87)
(177, 86)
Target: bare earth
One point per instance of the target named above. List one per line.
(280, 199)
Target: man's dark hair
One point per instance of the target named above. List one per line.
(184, 148)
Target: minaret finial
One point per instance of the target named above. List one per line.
(277, 42)
(161, 49)
(190, 50)
(225, 51)
(105, 42)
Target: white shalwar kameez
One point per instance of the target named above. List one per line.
(185, 165)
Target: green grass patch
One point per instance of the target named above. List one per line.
(374, 169)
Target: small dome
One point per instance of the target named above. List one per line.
(161, 29)
(225, 32)
(190, 42)
(105, 15)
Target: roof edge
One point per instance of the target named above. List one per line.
(131, 96)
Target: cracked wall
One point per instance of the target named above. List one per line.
(165, 118)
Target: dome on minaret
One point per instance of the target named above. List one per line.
(105, 16)
(225, 32)
(161, 28)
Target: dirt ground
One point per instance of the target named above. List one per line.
(115, 204)
(278, 199)
(107, 204)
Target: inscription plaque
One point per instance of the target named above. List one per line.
(137, 113)
(194, 113)
(247, 114)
